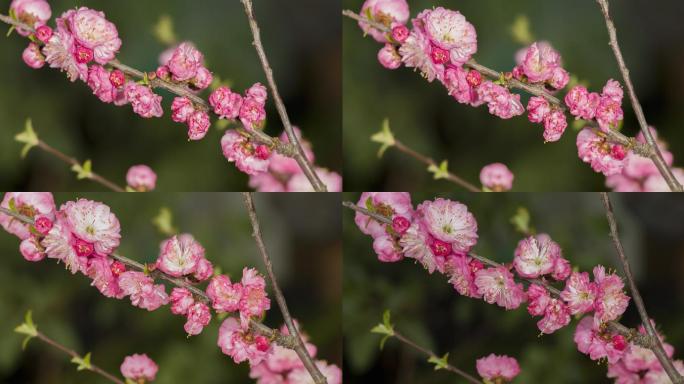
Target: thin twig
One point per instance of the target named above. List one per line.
(286, 341)
(657, 347)
(430, 162)
(303, 354)
(301, 158)
(429, 353)
(92, 367)
(638, 111)
(630, 334)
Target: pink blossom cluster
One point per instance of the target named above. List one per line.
(497, 369)
(185, 64)
(496, 177)
(605, 108)
(283, 366)
(139, 368)
(283, 174)
(141, 178)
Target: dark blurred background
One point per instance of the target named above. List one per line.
(428, 309)
(425, 117)
(301, 39)
(306, 254)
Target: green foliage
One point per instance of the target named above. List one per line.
(521, 221)
(163, 30)
(385, 328)
(83, 363)
(441, 171)
(28, 137)
(164, 222)
(439, 362)
(520, 30)
(384, 137)
(27, 328)
(83, 171)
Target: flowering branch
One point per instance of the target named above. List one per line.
(300, 347)
(300, 155)
(638, 301)
(657, 156)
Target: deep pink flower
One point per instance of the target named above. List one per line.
(139, 367)
(141, 178)
(538, 108)
(100, 270)
(388, 204)
(451, 31)
(198, 125)
(43, 224)
(59, 54)
(474, 78)
(579, 293)
(559, 79)
(496, 177)
(400, 224)
(144, 294)
(83, 55)
(31, 204)
(35, 13)
(456, 82)
(181, 109)
(117, 78)
(496, 285)
(224, 295)
(540, 62)
(179, 255)
(203, 78)
(199, 317)
(535, 256)
(538, 299)
(581, 103)
(99, 81)
(415, 53)
(234, 342)
(144, 102)
(389, 57)
(611, 300)
(500, 101)
(181, 300)
(94, 223)
(226, 103)
(252, 113)
(257, 92)
(496, 368)
(387, 12)
(239, 149)
(554, 125)
(591, 341)
(400, 33)
(386, 249)
(33, 57)
(43, 33)
(185, 61)
(557, 316)
(31, 250)
(92, 30)
(608, 113)
(594, 150)
(415, 244)
(461, 270)
(449, 221)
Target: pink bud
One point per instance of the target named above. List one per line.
(474, 78)
(475, 265)
(83, 54)
(388, 57)
(618, 152)
(261, 343)
(83, 248)
(619, 342)
(400, 33)
(117, 78)
(261, 151)
(43, 225)
(32, 56)
(44, 33)
(163, 72)
(439, 55)
(118, 268)
(440, 248)
(400, 224)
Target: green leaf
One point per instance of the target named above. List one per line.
(12, 204)
(385, 328)
(164, 222)
(84, 171)
(163, 30)
(129, 189)
(129, 381)
(28, 137)
(384, 137)
(439, 362)
(27, 328)
(520, 30)
(521, 221)
(441, 172)
(82, 362)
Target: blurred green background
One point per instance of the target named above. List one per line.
(301, 39)
(423, 116)
(427, 309)
(306, 254)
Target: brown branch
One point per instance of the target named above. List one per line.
(657, 346)
(74, 354)
(638, 111)
(301, 158)
(300, 348)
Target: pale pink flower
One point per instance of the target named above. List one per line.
(596, 151)
(144, 294)
(92, 30)
(30, 204)
(659, 376)
(139, 367)
(98, 81)
(203, 78)
(141, 178)
(239, 149)
(579, 293)
(538, 299)
(613, 90)
(252, 113)
(106, 281)
(559, 79)
(266, 182)
(198, 125)
(257, 92)
(31, 250)
(388, 204)
(591, 341)
(656, 182)
(611, 301)
(254, 301)
(554, 125)
(456, 82)
(622, 183)
(497, 368)
(35, 13)
(300, 183)
(204, 270)
(608, 113)
(537, 108)
(33, 57)
(224, 295)
(461, 270)
(415, 53)
(389, 57)
(622, 375)
(561, 269)
(540, 62)
(557, 316)
(58, 53)
(181, 109)
(226, 103)
(199, 317)
(181, 300)
(185, 61)
(581, 103)
(233, 342)
(500, 101)
(179, 255)
(387, 12)
(144, 102)
(449, 221)
(332, 373)
(496, 177)
(496, 285)
(535, 256)
(415, 244)
(58, 245)
(386, 249)
(94, 223)
(451, 31)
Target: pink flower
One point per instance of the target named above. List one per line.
(449, 221)
(559, 79)
(102, 270)
(332, 373)
(496, 177)
(461, 270)
(203, 78)
(451, 31)
(234, 342)
(611, 301)
(91, 30)
(557, 316)
(181, 109)
(254, 301)
(554, 125)
(387, 12)
(58, 245)
(400, 33)
(141, 178)
(117, 78)
(139, 367)
(43, 224)
(144, 294)
(540, 62)
(257, 92)
(538, 300)
(31, 204)
(496, 368)
(593, 342)
(579, 293)
(386, 249)
(656, 183)
(181, 300)
(535, 256)
(500, 101)
(32, 56)
(415, 245)
(163, 72)
(613, 91)
(204, 270)
(198, 318)
(98, 81)
(286, 165)
(35, 13)
(226, 103)
(622, 375)
(252, 113)
(225, 297)
(179, 255)
(238, 149)
(609, 113)
(31, 250)
(388, 204)
(388, 57)
(594, 150)
(198, 125)
(94, 223)
(456, 82)
(496, 285)
(266, 182)
(145, 102)
(185, 61)
(43, 33)
(538, 108)
(561, 269)
(400, 224)
(582, 104)
(300, 183)
(58, 53)
(415, 53)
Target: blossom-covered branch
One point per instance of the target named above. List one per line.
(300, 346)
(658, 348)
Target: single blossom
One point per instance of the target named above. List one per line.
(99, 81)
(415, 53)
(540, 62)
(557, 316)
(496, 177)
(225, 296)
(139, 367)
(538, 300)
(554, 125)
(185, 61)
(179, 255)
(181, 300)
(58, 244)
(144, 102)
(93, 222)
(538, 108)
(496, 285)
(198, 125)
(142, 291)
(31, 250)
(199, 317)
(497, 368)
(386, 12)
(596, 343)
(581, 103)
(239, 344)
(415, 244)
(92, 30)
(561, 269)
(58, 53)
(203, 79)
(204, 270)
(559, 79)
(461, 270)
(456, 80)
(500, 101)
(579, 293)
(535, 256)
(611, 300)
(226, 103)
(451, 31)
(254, 301)
(239, 149)
(389, 57)
(181, 109)
(141, 178)
(33, 57)
(252, 113)
(449, 221)
(100, 269)
(388, 204)
(257, 92)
